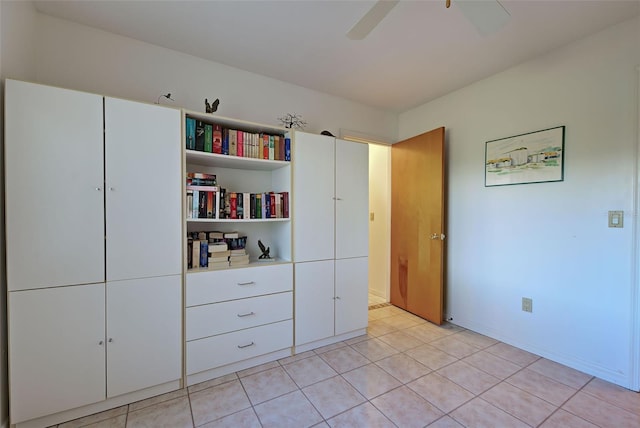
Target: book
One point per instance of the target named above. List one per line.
(195, 204)
(189, 203)
(258, 208)
(266, 206)
(218, 259)
(219, 265)
(272, 205)
(204, 253)
(243, 256)
(240, 144)
(211, 204)
(233, 201)
(191, 133)
(278, 204)
(231, 235)
(215, 235)
(287, 149)
(202, 205)
(195, 255)
(233, 142)
(191, 187)
(276, 147)
(189, 252)
(199, 135)
(217, 139)
(271, 147)
(281, 154)
(218, 247)
(265, 146)
(240, 206)
(285, 204)
(225, 141)
(208, 138)
(221, 208)
(246, 204)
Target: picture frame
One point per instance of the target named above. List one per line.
(534, 157)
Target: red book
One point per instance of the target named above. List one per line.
(217, 139)
(265, 147)
(285, 204)
(233, 203)
(240, 144)
(281, 153)
(272, 208)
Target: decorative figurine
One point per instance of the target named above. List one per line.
(294, 120)
(265, 251)
(213, 107)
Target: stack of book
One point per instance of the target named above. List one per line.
(213, 138)
(238, 257)
(203, 195)
(218, 255)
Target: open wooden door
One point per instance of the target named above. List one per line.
(417, 225)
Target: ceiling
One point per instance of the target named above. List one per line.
(421, 50)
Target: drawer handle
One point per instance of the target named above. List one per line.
(246, 283)
(245, 346)
(246, 315)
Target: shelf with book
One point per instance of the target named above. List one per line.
(236, 220)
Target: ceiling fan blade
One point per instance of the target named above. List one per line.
(371, 19)
(488, 16)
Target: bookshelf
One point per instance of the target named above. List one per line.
(220, 337)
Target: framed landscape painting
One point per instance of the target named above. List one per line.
(536, 157)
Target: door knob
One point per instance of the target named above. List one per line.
(434, 236)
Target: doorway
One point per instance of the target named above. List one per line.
(379, 222)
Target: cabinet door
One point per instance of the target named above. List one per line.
(351, 294)
(56, 350)
(313, 203)
(314, 301)
(352, 199)
(143, 190)
(144, 341)
(54, 186)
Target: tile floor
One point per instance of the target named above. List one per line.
(404, 373)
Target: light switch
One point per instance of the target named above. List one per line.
(616, 218)
(371, 216)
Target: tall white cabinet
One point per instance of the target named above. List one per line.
(94, 248)
(330, 231)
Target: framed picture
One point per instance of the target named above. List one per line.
(536, 157)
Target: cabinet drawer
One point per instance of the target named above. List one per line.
(219, 286)
(218, 318)
(217, 351)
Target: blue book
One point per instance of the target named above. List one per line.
(225, 141)
(204, 254)
(191, 133)
(287, 149)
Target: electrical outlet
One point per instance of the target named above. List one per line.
(527, 304)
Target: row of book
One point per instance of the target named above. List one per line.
(217, 203)
(213, 138)
(216, 250)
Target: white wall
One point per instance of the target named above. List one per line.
(17, 58)
(547, 241)
(84, 58)
(379, 228)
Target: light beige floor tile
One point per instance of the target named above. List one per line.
(344, 359)
(431, 357)
(358, 339)
(562, 419)
(450, 327)
(445, 422)
(292, 410)
(414, 317)
(371, 380)
(513, 354)
(560, 373)
(475, 339)
(541, 386)
(406, 408)
(244, 418)
(375, 329)
(426, 332)
(614, 394)
(399, 322)
(403, 367)
(600, 412)
(441, 392)
(117, 422)
(296, 357)
(322, 424)
(217, 402)
(328, 348)
(469, 377)
(157, 399)
(268, 384)
(309, 371)
(401, 341)
(478, 413)
(213, 382)
(519, 403)
(97, 417)
(453, 346)
(258, 369)
(175, 413)
(491, 364)
(387, 311)
(333, 396)
(374, 349)
(365, 415)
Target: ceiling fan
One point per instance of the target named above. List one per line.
(488, 16)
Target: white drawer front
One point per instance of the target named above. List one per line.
(231, 284)
(217, 351)
(218, 318)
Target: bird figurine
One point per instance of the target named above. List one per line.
(265, 251)
(213, 107)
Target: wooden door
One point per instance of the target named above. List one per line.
(143, 190)
(352, 199)
(56, 350)
(417, 225)
(144, 333)
(54, 186)
(313, 203)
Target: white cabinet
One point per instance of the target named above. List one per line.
(94, 259)
(330, 237)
